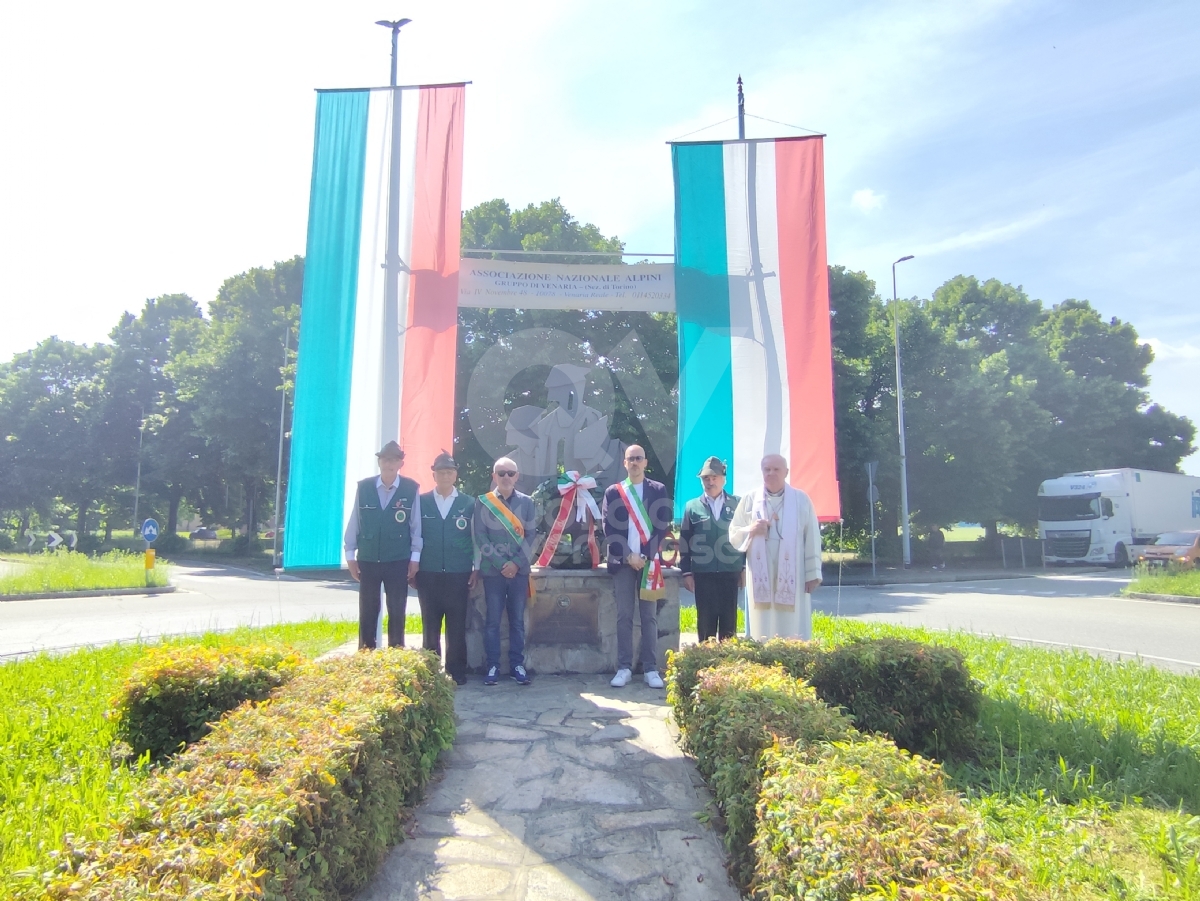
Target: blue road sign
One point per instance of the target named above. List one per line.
(150, 530)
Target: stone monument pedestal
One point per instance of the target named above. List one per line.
(571, 624)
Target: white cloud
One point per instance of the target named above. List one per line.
(867, 200)
(989, 234)
(1165, 351)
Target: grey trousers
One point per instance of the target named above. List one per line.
(625, 586)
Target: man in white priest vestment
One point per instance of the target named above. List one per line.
(776, 527)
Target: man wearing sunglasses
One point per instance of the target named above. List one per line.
(636, 515)
(505, 528)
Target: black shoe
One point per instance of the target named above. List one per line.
(520, 676)
(493, 675)
(460, 680)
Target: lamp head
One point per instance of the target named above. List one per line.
(395, 26)
(902, 259)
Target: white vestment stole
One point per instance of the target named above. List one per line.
(783, 592)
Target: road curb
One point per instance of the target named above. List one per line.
(93, 593)
(1170, 598)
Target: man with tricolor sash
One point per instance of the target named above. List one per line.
(636, 514)
(383, 545)
(505, 529)
(776, 526)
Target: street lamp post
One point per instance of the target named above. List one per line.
(137, 484)
(395, 26)
(904, 537)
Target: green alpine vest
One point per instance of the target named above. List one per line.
(447, 546)
(385, 536)
(709, 546)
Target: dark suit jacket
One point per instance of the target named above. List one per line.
(616, 521)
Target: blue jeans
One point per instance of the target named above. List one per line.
(505, 595)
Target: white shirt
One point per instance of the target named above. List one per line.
(444, 503)
(635, 539)
(716, 504)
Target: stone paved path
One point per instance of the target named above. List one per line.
(566, 790)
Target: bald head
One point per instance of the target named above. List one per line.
(635, 462)
(775, 471)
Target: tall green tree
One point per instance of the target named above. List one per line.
(51, 399)
(233, 375)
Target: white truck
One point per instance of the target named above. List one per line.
(1099, 516)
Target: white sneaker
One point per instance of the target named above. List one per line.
(654, 680)
(621, 679)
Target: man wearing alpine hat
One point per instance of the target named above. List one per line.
(383, 545)
(448, 570)
(713, 569)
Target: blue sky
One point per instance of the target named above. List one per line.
(1053, 145)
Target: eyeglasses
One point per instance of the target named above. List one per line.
(638, 459)
(505, 473)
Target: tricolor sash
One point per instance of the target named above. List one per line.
(638, 514)
(507, 518)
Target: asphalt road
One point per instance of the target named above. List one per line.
(1060, 610)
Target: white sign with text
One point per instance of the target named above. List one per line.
(566, 286)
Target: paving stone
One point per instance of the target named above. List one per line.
(500, 732)
(478, 851)
(613, 732)
(464, 881)
(623, 869)
(577, 783)
(554, 716)
(564, 883)
(477, 751)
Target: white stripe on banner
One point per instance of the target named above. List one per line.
(410, 107)
(760, 391)
(365, 435)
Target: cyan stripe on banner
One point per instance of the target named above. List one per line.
(702, 310)
(316, 480)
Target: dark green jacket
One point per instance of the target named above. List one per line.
(704, 542)
(447, 544)
(385, 536)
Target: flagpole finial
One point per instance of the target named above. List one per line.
(741, 111)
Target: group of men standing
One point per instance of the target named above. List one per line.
(443, 542)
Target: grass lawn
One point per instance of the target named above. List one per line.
(55, 773)
(1166, 581)
(1089, 769)
(65, 571)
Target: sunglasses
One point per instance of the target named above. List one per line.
(634, 459)
(505, 473)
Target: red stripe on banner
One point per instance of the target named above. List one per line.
(431, 340)
(804, 286)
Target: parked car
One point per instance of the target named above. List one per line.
(1172, 548)
(203, 533)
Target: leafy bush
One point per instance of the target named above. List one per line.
(920, 695)
(168, 543)
(683, 668)
(174, 694)
(6, 541)
(297, 798)
(741, 708)
(864, 819)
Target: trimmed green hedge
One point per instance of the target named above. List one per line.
(864, 819)
(295, 798)
(919, 695)
(741, 708)
(173, 695)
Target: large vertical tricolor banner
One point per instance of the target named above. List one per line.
(752, 300)
(378, 324)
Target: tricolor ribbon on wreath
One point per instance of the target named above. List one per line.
(653, 586)
(576, 495)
